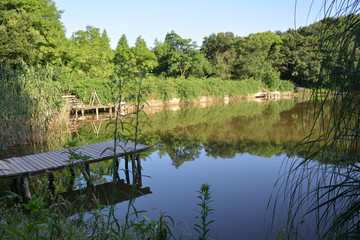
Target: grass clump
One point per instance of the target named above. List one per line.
(30, 105)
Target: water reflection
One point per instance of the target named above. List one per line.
(223, 130)
(102, 195)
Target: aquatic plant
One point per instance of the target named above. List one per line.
(205, 210)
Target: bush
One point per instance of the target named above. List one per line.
(286, 86)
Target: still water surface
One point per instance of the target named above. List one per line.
(237, 148)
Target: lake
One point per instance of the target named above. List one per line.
(237, 148)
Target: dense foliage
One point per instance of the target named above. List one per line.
(33, 33)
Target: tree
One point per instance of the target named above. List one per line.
(180, 57)
(91, 54)
(31, 31)
(18, 40)
(124, 58)
(143, 56)
(301, 62)
(220, 50)
(255, 58)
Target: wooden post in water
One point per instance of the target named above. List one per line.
(116, 169)
(72, 179)
(25, 189)
(86, 176)
(82, 113)
(127, 169)
(110, 111)
(87, 169)
(97, 113)
(139, 181)
(51, 182)
(133, 167)
(14, 186)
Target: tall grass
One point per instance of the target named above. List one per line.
(331, 192)
(30, 105)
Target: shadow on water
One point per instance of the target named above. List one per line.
(102, 195)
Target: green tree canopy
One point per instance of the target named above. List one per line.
(143, 56)
(180, 57)
(220, 50)
(91, 54)
(124, 58)
(31, 31)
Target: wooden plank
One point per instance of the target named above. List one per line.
(95, 149)
(15, 167)
(62, 155)
(35, 167)
(106, 145)
(56, 162)
(2, 173)
(18, 166)
(88, 152)
(42, 163)
(8, 170)
(4, 166)
(51, 159)
(52, 164)
(20, 163)
(90, 148)
(25, 164)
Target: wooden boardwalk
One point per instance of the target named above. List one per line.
(125, 109)
(22, 167)
(76, 107)
(56, 160)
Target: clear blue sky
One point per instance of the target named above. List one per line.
(190, 19)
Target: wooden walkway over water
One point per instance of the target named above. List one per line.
(22, 167)
(77, 107)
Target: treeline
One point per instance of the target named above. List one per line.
(31, 32)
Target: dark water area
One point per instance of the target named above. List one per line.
(238, 148)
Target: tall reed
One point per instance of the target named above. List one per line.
(330, 192)
(29, 105)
